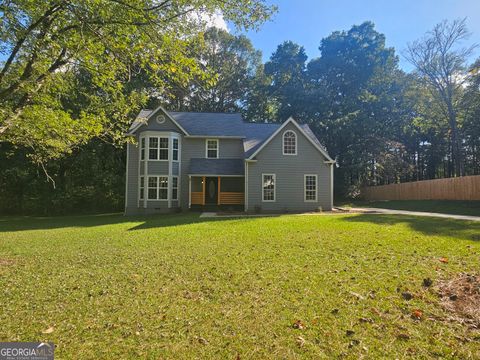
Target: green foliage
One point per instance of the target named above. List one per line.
(49, 44)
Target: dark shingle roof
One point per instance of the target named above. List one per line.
(216, 167)
(222, 124)
(256, 134)
(210, 124)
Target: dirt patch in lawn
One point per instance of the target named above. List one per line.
(461, 297)
(6, 262)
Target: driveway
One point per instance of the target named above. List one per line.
(414, 213)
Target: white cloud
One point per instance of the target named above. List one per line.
(210, 20)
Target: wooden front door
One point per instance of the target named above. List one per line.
(211, 190)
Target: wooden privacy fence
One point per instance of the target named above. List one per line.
(460, 188)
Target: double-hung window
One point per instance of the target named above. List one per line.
(152, 148)
(163, 151)
(142, 148)
(175, 188)
(142, 188)
(157, 148)
(268, 187)
(310, 188)
(175, 149)
(157, 188)
(212, 148)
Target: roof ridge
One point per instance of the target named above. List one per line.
(204, 112)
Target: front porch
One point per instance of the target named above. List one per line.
(221, 191)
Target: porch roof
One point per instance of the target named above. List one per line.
(218, 167)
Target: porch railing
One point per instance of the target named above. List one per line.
(223, 198)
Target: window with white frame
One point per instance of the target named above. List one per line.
(142, 188)
(157, 188)
(157, 148)
(163, 150)
(289, 143)
(175, 149)
(175, 188)
(268, 187)
(212, 148)
(142, 148)
(310, 187)
(152, 148)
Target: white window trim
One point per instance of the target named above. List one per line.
(158, 188)
(305, 187)
(283, 142)
(206, 148)
(144, 138)
(140, 183)
(274, 187)
(159, 148)
(172, 198)
(178, 149)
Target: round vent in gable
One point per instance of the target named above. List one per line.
(160, 119)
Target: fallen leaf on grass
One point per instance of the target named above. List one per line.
(349, 332)
(403, 336)
(48, 331)
(300, 341)
(443, 260)
(407, 296)
(202, 341)
(417, 314)
(298, 325)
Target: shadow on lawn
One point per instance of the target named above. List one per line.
(25, 223)
(460, 229)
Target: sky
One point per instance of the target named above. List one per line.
(306, 22)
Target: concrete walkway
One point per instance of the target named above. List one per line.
(414, 213)
(346, 211)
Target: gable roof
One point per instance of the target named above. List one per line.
(255, 135)
(304, 129)
(144, 116)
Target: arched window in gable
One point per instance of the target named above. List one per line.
(289, 143)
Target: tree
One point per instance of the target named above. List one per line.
(48, 45)
(351, 101)
(233, 63)
(286, 70)
(442, 65)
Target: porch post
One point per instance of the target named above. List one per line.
(189, 191)
(203, 189)
(219, 190)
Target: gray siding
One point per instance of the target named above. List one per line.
(195, 148)
(289, 171)
(157, 167)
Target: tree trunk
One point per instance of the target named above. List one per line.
(456, 146)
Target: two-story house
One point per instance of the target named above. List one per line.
(185, 160)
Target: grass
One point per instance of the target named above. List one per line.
(178, 287)
(437, 206)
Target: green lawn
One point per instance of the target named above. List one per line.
(174, 286)
(438, 206)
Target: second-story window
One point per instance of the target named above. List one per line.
(175, 149)
(157, 148)
(212, 148)
(153, 148)
(289, 143)
(142, 148)
(163, 153)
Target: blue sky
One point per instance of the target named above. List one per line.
(306, 22)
